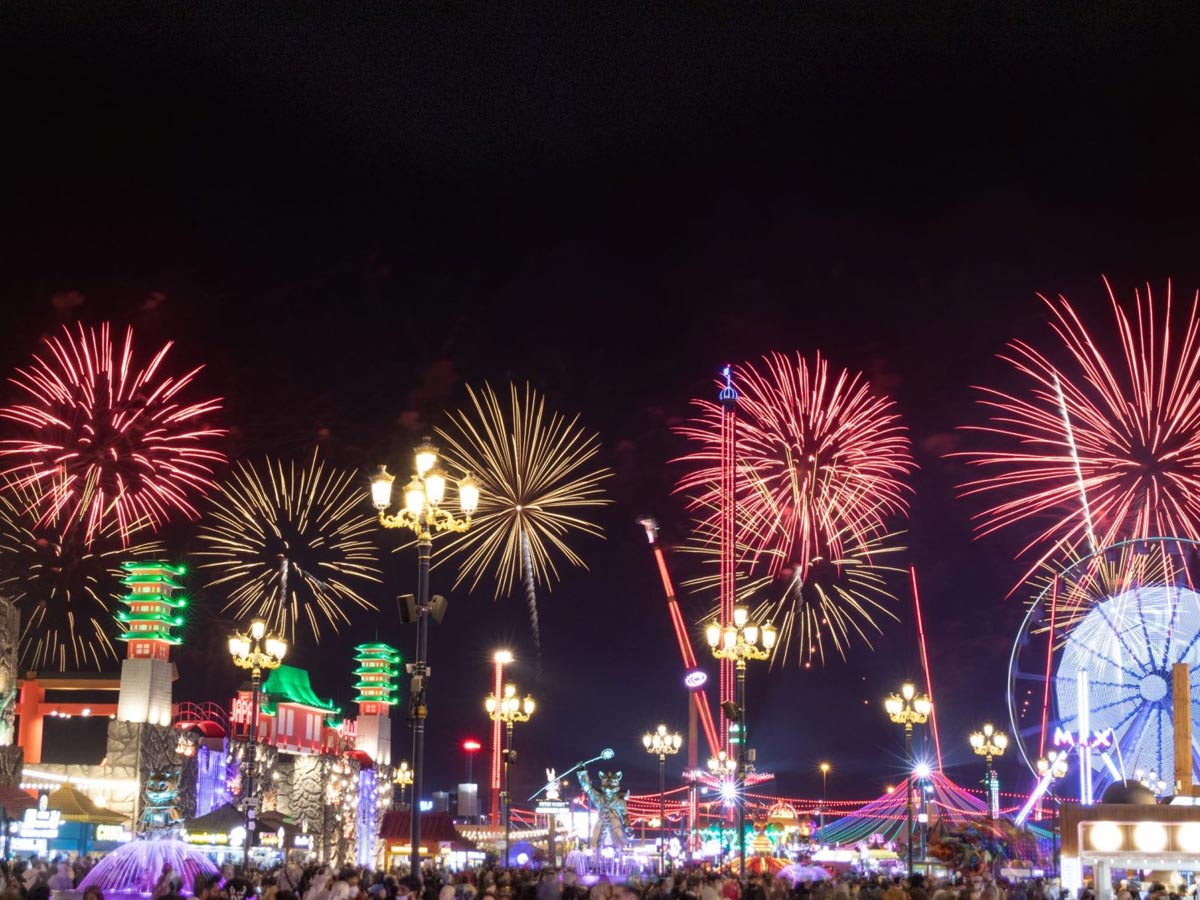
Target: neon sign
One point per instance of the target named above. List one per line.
(695, 679)
(1098, 740)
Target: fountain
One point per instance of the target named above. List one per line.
(136, 867)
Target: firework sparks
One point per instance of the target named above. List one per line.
(105, 442)
(537, 476)
(290, 543)
(821, 463)
(61, 584)
(824, 606)
(1100, 449)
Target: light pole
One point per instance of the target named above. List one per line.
(423, 514)
(724, 768)
(508, 710)
(908, 708)
(988, 743)
(402, 778)
(1052, 767)
(500, 659)
(662, 743)
(824, 779)
(739, 641)
(255, 650)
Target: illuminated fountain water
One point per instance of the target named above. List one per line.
(136, 867)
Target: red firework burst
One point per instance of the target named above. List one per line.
(821, 462)
(104, 443)
(1098, 449)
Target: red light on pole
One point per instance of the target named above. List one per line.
(470, 747)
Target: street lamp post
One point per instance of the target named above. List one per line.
(724, 768)
(909, 708)
(989, 743)
(739, 641)
(508, 710)
(824, 779)
(255, 650)
(402, 778)
(423, 514)
(1052, 767)
(662, 743)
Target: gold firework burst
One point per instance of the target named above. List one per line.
(538, 476)
(63, 582)
(290, 543)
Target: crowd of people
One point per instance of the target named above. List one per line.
(36, 879)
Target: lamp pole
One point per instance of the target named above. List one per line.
(739, 641)
(255, 650)
(908, 708)
(988, 743)
(402, 779)
(1052, 767)
(508, 709)
(423, 514)
(662, 743)
(824, 778)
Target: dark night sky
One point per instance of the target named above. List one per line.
(347, 214)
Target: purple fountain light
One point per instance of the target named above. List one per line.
(136, 867)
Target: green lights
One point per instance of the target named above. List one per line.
(378, 670)
(153, 605)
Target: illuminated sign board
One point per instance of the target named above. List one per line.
(695, 679)
(1099, 740)
(116, 833)
(41, 822)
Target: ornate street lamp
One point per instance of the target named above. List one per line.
(1053, 766)
(988, 742)
(255, 650)
(909, 708)
(508, 709)
(739, 641)
(424, 514)
(662, 743)
(402, 778)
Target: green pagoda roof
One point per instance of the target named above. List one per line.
(288, 684)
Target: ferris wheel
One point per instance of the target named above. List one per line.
(1091, 668)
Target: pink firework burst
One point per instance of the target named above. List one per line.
(1099, 446)
(103, 442)
(821, 463)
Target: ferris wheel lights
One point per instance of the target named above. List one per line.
(1106, 837)
(1150, 837)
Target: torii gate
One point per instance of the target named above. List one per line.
(32, 707)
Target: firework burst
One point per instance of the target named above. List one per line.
(61, 584)
(1097, 448)
(105, 442)
(537, 476)
(821, 608)
(290, 543)
(821, 466)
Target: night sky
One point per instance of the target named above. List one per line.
(349, 214)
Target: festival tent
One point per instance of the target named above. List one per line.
(14, 802)
(75, 806)
(888, 815)
(437, 831)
